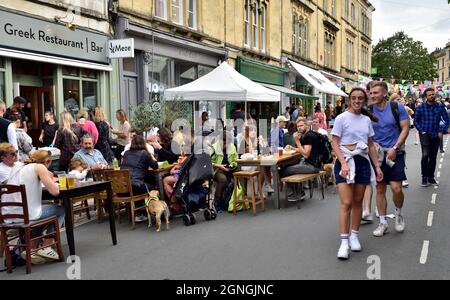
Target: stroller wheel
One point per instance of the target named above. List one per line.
(208, 214)
(213, 215)
(186, 220)
(193, 220)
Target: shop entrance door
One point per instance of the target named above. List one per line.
(40, 100)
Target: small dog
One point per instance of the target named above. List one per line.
(156, 208)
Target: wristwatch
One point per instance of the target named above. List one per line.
(395, 147)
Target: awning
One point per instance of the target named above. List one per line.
(317, 80)
(289, 92)
(332, 76)
(53, 59)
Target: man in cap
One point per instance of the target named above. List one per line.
(18, 106)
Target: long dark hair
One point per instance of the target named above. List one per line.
(138, 143)
(364, 111)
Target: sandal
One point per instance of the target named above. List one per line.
(49, 253)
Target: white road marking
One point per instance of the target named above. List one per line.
(440, 166)
(433, 199)
(442, 160)
(424, 254)
(438, 175)
(430, 219)
(436, 187)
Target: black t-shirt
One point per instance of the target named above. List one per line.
(49, 132)
(312, 139)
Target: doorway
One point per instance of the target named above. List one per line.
(40, 100)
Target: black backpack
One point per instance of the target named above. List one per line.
(326, 149)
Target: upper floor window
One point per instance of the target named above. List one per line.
(333, 8)
(300, 35)
(177, 11)
(325, 5)
(192, 13)
(294, 33)
(263, 27)
(161, 9)
(352, 13)
(330, 46)
(346, 9)
(247, 23)
(255, 24)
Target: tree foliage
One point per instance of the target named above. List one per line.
(401, 57)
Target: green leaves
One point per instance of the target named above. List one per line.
(400, 57)
(146, 115)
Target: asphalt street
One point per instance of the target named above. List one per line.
(276, 244)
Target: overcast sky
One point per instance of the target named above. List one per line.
(427, 21)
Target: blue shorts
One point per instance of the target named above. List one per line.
(362, 171)
(397, 172)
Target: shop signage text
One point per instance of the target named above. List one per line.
(34, 35)
(121, 48)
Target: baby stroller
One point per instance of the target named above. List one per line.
(190, 188)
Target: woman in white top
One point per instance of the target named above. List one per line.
(123, 133)
(34, 175)
(353, 144)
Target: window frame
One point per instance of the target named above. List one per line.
(80, 80)
(180, 9)
(165, 9)
(263, 27)
(192, 13)
(294, 33)
(255, 25)
(247, 30)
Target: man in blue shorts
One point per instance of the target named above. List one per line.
(391, 133)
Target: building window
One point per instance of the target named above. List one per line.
(305, 39)
(300, 36)
(325, 5)
(263, 27)
(350, 57)
(449, 72)
(247, 23)
(333, 8)
(80, 89)
(365, 58)
(329, 49)
(346, 7)
(177, 11)
(161, 9)
(294, 34)
(352, 13)
(255, 25)
(192, 14)
(2, 80)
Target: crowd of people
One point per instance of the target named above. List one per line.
(365, 135)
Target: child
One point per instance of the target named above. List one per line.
(78, 168)
(171, 180)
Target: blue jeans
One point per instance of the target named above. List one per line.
(49, 210)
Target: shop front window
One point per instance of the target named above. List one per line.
(70, 71)
(2, 86)
(90, 97)
(158, 75)
(203, 70)
(71, 90)
(88, 73)
(2, 64)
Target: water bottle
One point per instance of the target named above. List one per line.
(115, 164)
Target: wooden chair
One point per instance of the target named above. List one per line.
(25, 226)
(99, 175)
(123, 191)
(249, 175)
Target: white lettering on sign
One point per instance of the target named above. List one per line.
(121, 48)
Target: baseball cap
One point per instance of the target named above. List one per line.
(281, 119)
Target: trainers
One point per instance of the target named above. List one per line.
(425, 182)
(399, 223)
(294, 197)
(355, 245)
(268, 189)
(35, 259)
(381, 230)
(140, 218)
(442, 151)
(344, 252)
(405, 184)
(433, 182)
(367, 218)
(48, 253)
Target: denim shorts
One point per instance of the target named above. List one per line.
(397, 172)
(362, 171)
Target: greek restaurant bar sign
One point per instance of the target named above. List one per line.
(34, 35)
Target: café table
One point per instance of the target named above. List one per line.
(82, 189)
(159, 175)
(275, 162)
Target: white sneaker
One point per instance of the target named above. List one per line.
(399, 223)
(268, 188)
(355, 245)
(405, 184)
(381, 230)
(344, 252)
(140, 218)
(367, 218)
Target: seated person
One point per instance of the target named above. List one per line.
(171, 180)
(308, 145)
(92, 157)
(224, 159)
(78, 168)
(24, 141)
(35, 175)
(138, 160)
(8, 158)
(166, 148)
(133, 132)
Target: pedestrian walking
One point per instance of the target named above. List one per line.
(427, 120)
(354, 147)
(391, 132)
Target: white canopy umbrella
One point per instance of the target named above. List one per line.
(224, 83)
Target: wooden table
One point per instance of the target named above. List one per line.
(82, 189)
(275, 163)
(159, 175)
